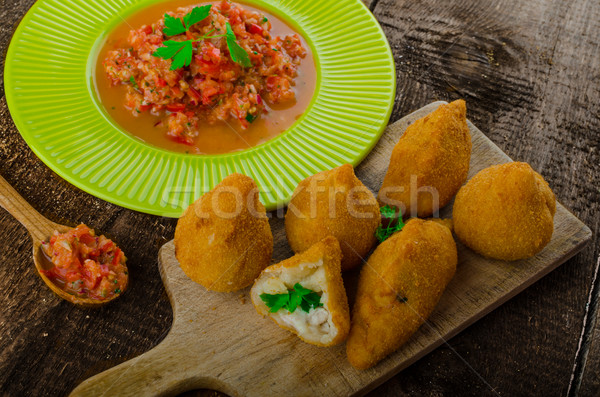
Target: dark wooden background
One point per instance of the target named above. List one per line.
(530, 72)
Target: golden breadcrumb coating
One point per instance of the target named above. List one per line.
(430, 159)
(304, 268)
(444, 222)
(505, 212)
(333, 203)
(398, 289)
(223, 240)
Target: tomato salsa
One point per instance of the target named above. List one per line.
(86, 265)
(215, 94)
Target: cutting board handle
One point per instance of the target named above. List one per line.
(160, 371)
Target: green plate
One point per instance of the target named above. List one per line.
(50, 94)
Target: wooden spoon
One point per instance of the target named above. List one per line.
(40, 229)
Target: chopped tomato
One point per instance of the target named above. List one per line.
(176, 107)
(176, 91)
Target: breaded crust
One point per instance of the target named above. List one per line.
(333, 203)
(431, 158)
(223, 240)
(505, 212)
(398, 289)
(329, 251)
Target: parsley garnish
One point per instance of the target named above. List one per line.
(265, 19)
(298, 296)
(250, 117)
(198, 14)
(132, 81)
(238, 54)
(175, 26)
(181, 51)
(394, 223)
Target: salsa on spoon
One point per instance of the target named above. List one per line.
(77, 265)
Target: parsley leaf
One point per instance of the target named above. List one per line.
(180, 51)
(173, 26)
(298, 296)
(388, 212)
(237, 53)
(276, 301)
(250, 117)
(294, 301)
(133, 83)
(394, 223)
(197, 15)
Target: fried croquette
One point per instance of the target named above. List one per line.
(505, 212)
(398, 289)
(444, 222)
(318, 270)
(429, 163)
(333, 203)
(223, 240)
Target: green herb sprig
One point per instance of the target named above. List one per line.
(238, 54)
(181, 51)
(174, 26)
(298, 296)
(394, 223)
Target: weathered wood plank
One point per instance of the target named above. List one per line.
(590, 373)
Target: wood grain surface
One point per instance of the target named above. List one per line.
(218, 340)
(530, 74)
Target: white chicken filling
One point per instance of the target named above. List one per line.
(316, 325)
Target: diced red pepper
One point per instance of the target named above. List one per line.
(117, 257)
(175, 107)
(87, 238)
(255, 29)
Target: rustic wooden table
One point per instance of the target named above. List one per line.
(530, 72)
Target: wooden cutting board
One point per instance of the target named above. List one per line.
(219, 342)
